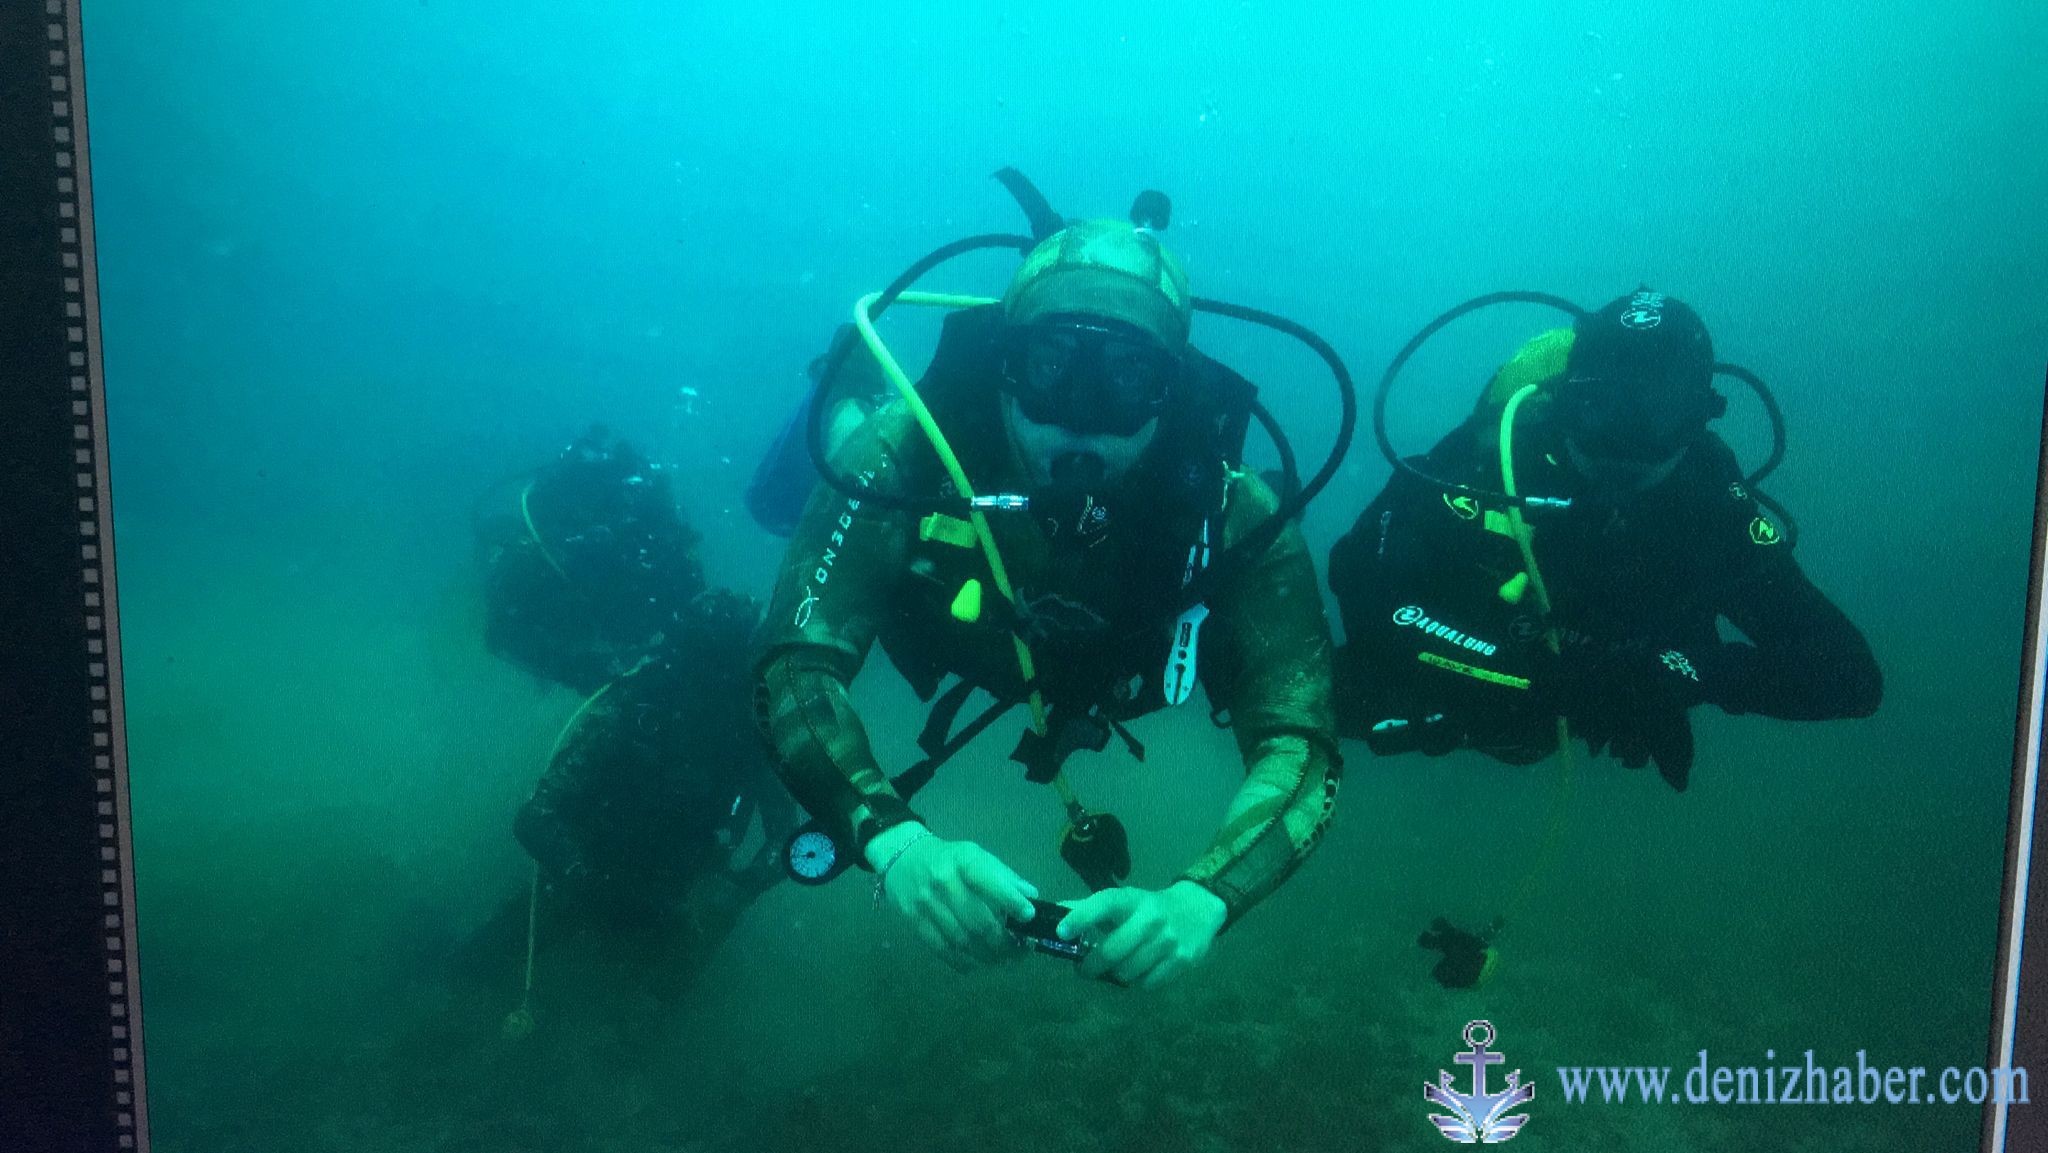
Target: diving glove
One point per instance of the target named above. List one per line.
(1631, 700)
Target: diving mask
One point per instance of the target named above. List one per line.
(1637, 421)
(1090, 375)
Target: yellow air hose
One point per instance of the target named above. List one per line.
(519, 1023)
(997, 571)
(526, 514)
(1561, 800)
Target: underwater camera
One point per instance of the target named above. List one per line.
(1041, 934)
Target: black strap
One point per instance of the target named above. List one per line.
(939, 725)
(1066, 733)
(939, 748)
(1042, 754)
(1131, 742)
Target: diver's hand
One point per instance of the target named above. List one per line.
(1147, 937)
(1632, 701)
(1663, 739)
(956, 894)
(1625, 680)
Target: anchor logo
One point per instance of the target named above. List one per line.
(1481, 1118)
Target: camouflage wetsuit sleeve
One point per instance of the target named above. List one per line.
(838, 578)
(1276, 685)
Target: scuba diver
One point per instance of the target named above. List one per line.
(1476, 614)
(585, 562)
(1057, 514)
(640, 826)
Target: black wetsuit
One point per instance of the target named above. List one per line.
(1638, 588)
(585, 564)
(642, 822)
(658, 779)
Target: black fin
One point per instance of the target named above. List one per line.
(1044, 221)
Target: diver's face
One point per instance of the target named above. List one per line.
(1051, 453)
(1617, 476)
(1627, 428)
(1624, 433)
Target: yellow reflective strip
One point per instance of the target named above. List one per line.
(1472, 671)
(946, 530)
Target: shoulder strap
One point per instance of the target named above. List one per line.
(938, 746)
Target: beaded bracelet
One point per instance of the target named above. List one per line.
(882, 874)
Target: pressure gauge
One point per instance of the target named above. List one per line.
(813, 857)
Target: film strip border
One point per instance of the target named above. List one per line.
(2019, 1033)
(86, 383)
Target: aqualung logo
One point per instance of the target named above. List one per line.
(1645, 310)
(1478, 1117)
(1412, 616)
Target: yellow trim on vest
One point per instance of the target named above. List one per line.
(1473, 671)
(946, 530)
